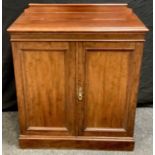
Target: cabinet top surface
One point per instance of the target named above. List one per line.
(77, 18)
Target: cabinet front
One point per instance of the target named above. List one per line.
(77, 88)
(45, 78)
(106, 81)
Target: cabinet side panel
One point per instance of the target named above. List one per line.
(19, 87)
(134, 84)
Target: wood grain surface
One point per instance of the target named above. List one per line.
(77, 69)
(77, 18)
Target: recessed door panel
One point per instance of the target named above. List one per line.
(106, 88)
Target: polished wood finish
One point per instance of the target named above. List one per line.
(77, 69)
(77, 18)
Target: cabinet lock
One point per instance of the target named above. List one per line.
(80, 94)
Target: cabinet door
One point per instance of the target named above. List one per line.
(45, 78)
(110, 80)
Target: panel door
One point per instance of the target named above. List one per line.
(110, 81)
(45, 78)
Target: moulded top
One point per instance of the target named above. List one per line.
(77, 18)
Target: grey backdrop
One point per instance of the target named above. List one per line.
(13, 8)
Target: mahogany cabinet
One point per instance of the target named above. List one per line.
(77, 69)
